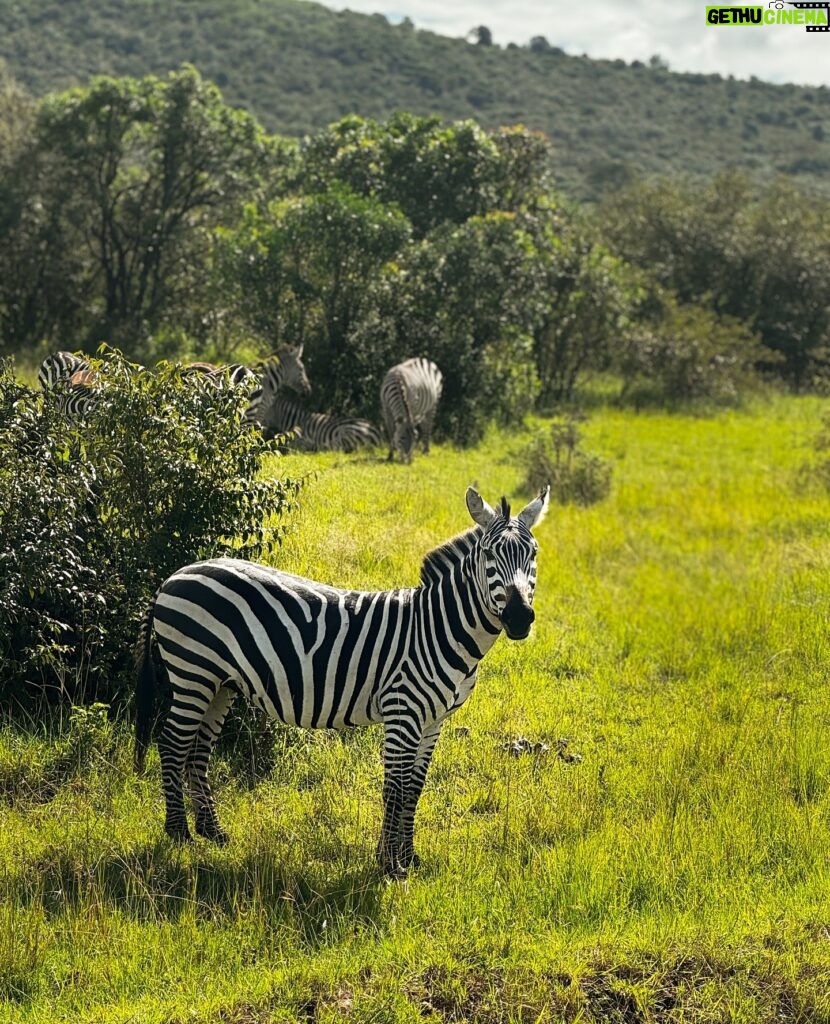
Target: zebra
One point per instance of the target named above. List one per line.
(319, 431)
(59, 366)
(276, 413)
(409, 396)
(78, 397)
(314, 656)
(235, 373)
(283, 370)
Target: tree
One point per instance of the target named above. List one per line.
(129, 175)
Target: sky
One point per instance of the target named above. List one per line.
(629, 29)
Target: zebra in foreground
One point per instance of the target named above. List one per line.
(277, 413)
(318, 657)
(409, 397)
(60, 366)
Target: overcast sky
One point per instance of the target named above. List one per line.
(630, 29)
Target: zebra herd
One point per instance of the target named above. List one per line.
(409, 398)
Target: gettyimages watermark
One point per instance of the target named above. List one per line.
(815, 17)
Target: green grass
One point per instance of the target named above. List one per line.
(678, 872)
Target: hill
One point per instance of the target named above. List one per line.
(298, 66)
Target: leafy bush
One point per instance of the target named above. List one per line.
(95, 514)
(576, 477)
(685, 353)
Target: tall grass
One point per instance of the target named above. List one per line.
(674, 868)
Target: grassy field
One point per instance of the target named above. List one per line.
(665, 861)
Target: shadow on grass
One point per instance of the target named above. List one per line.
(160, 882)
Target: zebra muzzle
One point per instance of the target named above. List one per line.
(517, 616)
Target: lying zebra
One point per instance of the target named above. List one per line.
(277, 413)
(318, 657)
(409, 397)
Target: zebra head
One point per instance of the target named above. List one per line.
(406, 435)
(290, 372)
(506, 570)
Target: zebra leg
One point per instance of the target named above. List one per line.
(175, 743)
(426, 430)
(400, 749)
(408, 857)
(207, 822)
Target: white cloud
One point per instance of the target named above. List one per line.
(631, 30)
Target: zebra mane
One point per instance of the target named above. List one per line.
(440, 562)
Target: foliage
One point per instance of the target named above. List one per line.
(575, 476)
(95, 514)
(332, 63)
(761, 257)
(584, 300)
(109, 203)
(683, 353)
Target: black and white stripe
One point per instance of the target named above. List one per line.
(319, 431)
(79, 396)
(59, 366)
(277, 413)
(284, 370)
(312, 655)
(409, 397)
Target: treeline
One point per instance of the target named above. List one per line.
(297, 67)
(149, 214)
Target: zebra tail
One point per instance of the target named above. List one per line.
(145, 690)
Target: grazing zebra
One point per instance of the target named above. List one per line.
(59, 366)
(318, 657)
(319, 431)
(409, 397)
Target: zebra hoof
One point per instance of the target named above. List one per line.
(213, 834)
(180, 836)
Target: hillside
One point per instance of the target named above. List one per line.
(299, 66)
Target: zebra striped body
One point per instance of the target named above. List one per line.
(234, 373)
(78, 397)
(315, 656)
(283, 370)
(319, 431)
(409, 397)
(59, 366)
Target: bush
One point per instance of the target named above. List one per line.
(687, 353)
(575, 476)
(95, 514)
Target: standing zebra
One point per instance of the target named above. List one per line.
(235, 373)
(59, 366)
(409, 397)
(318, 657)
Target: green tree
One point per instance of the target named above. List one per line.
(129, 176)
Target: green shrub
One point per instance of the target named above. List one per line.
(95, 514)
(576, 477)
(687, 353)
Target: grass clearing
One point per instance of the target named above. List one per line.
(677, 872)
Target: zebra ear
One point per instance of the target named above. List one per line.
(479, 509)
(299, 350)
(535, 512)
